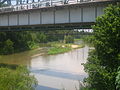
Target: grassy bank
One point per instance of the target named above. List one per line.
(58, 47)
(56, 50)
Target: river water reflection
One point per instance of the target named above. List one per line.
(53, 72)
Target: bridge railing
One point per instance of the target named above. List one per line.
(41, 4)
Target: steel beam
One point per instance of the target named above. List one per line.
(45, 27)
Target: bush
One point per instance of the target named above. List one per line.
(19, 79)
(88, 39)
(8, 48)
(69, 39)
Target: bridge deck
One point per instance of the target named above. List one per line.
(68, 16)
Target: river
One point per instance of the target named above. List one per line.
(53, 72)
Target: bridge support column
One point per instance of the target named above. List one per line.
(81, 14)
(8, 19)
(40, 17)
(17, 19)
(69, 15)
(95, 12)
(28, 18)
(54, 16)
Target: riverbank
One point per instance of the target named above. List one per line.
(67, 67)
(58, 48)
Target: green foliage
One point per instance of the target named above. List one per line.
(69, 39)
(23, 40)
(86, 88)
(118, 79)
(57, 50)
(41, 38)
(88, 39)
(19, 79)
(26, 40)
(11, 42)
(14, 41)
(32, 45)
(8, 47)
(99, 77)
(104, 61)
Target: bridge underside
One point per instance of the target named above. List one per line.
(67, 26)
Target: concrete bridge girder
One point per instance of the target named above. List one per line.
(53, 16)
(73, 16)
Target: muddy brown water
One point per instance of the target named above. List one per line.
(53, 72)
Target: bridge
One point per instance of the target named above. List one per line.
(52, 15)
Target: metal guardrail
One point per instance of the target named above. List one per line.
(40, 4)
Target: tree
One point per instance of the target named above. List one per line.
(104, 61)
(8, 47)
(69, 39)
(41, 37)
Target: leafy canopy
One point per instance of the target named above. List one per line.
(104, 61)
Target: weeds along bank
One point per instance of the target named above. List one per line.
(57, 48)
(18, 78)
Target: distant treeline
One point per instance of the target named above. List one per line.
(12, 42)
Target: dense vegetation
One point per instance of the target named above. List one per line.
(118, 79)
(65, 45)
(88, 39)
(69, 39)
(18, 79)
(103, 64)
(12, 42)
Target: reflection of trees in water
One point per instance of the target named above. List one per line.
(23, 58)
(47, 58)
(19, 58)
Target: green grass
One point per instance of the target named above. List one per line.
(78, 39)
(57, 50)
(58, 47)
(55, 44)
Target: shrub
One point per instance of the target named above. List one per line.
(69, 39)
(19, 79)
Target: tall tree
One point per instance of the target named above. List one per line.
(104, 61)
